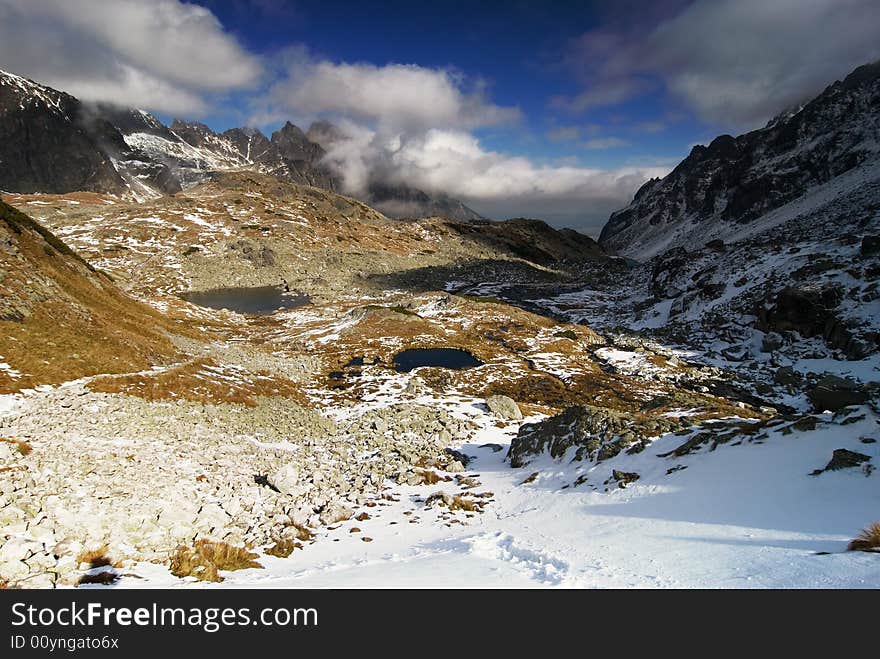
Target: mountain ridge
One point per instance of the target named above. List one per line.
(129, 151)
(720, 189)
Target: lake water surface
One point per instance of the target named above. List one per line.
(260, 300)
(453, 358)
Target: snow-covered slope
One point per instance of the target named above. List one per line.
(747, 516)
(720, 191)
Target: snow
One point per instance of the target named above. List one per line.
(746, 516)
(8, 403)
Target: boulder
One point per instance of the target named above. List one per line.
(581, 426)
(834, 393)
(212, 517)
(12, 571)
(843, 459)
(772, 341)
(870, 245)
(504, 407)
(335, 512)
(811, 311)
(287, 481)
(624, 478)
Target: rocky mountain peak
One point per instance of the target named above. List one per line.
(732, 183)
(293, 144)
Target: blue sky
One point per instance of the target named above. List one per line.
(517, 48)
(555, 110)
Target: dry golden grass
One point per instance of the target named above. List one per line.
(867, 540)
(206, 558)
(468, 505)
(302, 533)
(94, 557)
(23, 447)
(430, 477)
(283, 548)
(62, 320)
(194, 381)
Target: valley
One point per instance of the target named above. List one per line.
(350, 399)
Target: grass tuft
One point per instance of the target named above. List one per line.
(206, 558)
(867, 540)
(95, 557)
(283, 548)
(22, 446)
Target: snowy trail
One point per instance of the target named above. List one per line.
(750, 518)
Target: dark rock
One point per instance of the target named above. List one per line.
(586, 428)
(788, 377)
(260, 256)
(870, 245)
(834, 393)
(624, 478)
(811, 312)
(50, 142)
(458, 455)
(843, 459)
(772, 341)
(736, 180)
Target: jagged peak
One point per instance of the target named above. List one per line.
(248, 131)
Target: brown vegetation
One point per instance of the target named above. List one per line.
(283, 548)
(468, 505)
(198, 380)
(867, 540)
(23, 447)
(206, 558)
(61, 320)
(95, 557)
(430, 477)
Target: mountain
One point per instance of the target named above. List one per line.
(62, 319)
(765, 248)
(724, 190)
(51, 142)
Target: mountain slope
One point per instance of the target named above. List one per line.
(720, 191)
(60, 319)
(49, 142)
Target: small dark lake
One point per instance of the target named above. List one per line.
(453, 358)
(260, 300)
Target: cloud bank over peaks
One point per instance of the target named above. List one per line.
(161, 55)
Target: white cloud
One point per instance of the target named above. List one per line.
(163, 55)
(401, 96)
(454, 162)
(733, 61)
